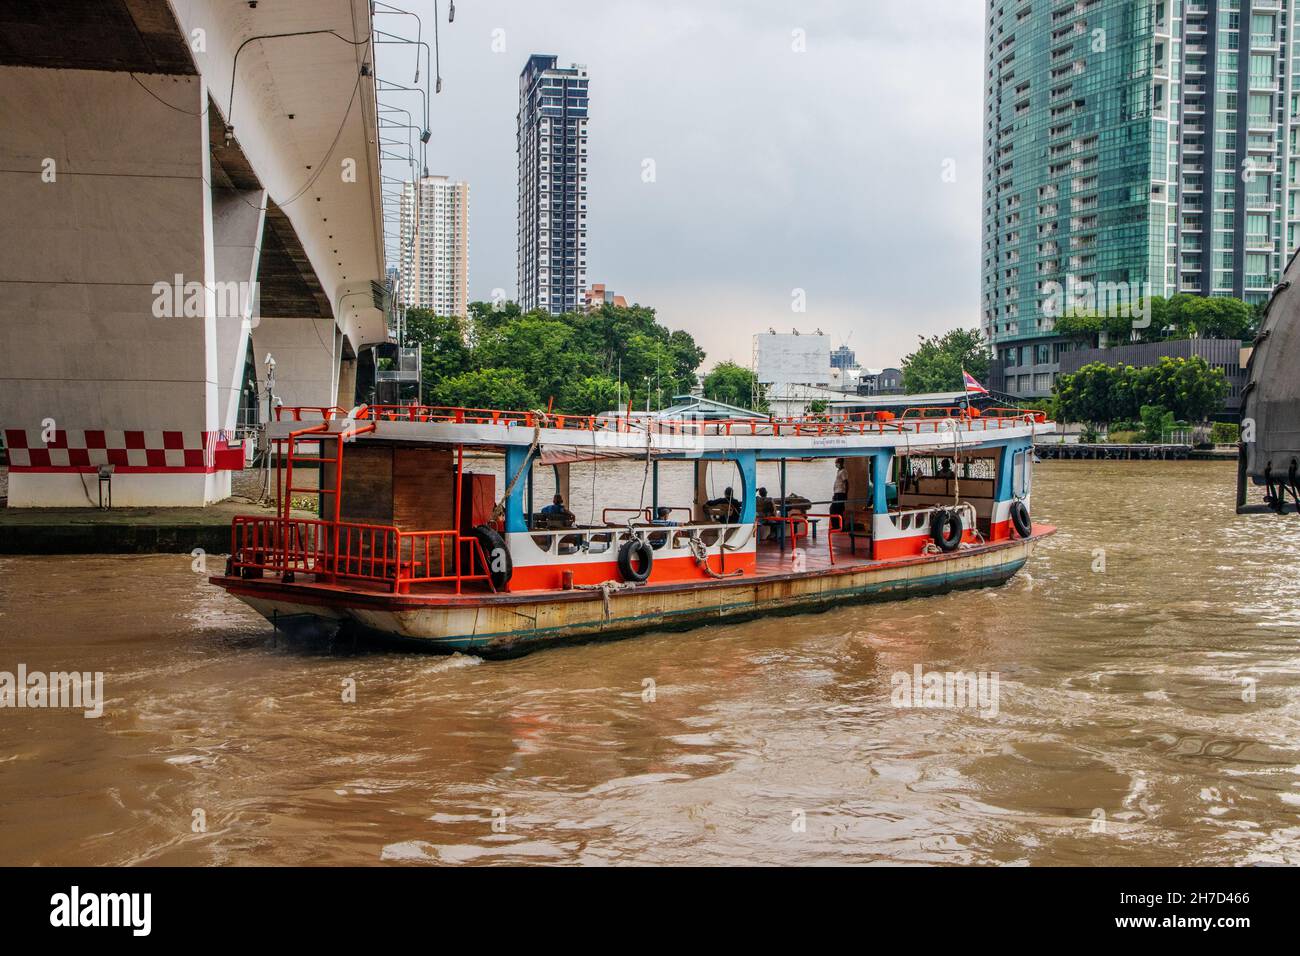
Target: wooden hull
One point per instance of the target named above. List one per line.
(507, 625)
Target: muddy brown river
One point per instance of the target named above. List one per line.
(1148, 712)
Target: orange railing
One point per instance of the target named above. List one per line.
(332, 550)
(834, 526)
(854, 423)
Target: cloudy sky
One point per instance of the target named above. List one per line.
(776, 170)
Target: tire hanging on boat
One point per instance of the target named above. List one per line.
(1020, 518)
(635, 559)
(946, 529)
(500, 566)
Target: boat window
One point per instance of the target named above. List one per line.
(1020, 473)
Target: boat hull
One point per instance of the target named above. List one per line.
(506, 625)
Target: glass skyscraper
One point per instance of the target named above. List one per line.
(552, 157)
(1132, 147)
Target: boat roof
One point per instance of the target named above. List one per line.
(575, 438)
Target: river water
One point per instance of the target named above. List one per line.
(1148, 712)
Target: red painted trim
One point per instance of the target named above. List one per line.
(336, 596)
(547, 577)
(117, 470)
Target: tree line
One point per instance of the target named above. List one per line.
(578, 363)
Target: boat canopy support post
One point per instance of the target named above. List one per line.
(701, 488)
(747, 464)
(517, 457)
(530, 506)
(880, 482)
(654, 488)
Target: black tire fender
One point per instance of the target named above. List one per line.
(500, 567)
(1020, 519)
(946, 529)
(635, 559)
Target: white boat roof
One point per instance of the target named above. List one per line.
(573, 438)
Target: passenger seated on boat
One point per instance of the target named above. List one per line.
(662, 519)
(945, 469)
(556, 515)
(725, 510)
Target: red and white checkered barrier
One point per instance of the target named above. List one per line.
(139, 452)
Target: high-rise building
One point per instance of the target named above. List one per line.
(1132, 147)
(552, 155)
(434, 246)
(843, 358)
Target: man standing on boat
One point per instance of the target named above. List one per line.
(840, 491)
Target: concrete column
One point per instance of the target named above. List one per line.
(347, 396)
(108, 340)
(306, 353)
(237, 219)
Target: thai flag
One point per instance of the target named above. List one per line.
(971, 385)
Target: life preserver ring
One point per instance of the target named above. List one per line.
(635, 559)
(946, 529)
(1020, 518)
(500, 565)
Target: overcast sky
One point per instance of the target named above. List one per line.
(776, 170)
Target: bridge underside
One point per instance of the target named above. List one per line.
(143, 257)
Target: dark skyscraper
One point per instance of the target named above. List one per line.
(551, 149)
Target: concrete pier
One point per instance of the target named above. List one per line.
(184, 185)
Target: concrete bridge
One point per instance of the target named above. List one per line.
(185, 187)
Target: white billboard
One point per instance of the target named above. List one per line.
(790, 358)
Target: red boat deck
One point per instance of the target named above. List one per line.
(772, 560)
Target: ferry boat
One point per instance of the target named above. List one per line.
(411, 546)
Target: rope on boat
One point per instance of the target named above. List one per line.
(701, 553)
(543, 421)
(606, 588)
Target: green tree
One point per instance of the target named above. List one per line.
(592, 395)
(1189, 388)
(503, 388)
(488, 316)
(442, 339)
(733, 384)
(1098, 394)
(937, 363)
(541, 348)
(1155, 422)
(574, 359)
(1214, 317)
